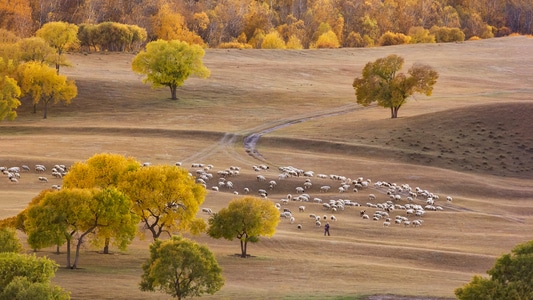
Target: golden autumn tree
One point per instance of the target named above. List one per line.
(16, 16)
(9, 91)
(105, 170)
(60, 36)
(166, 198)
(170, 25)
(44, 85)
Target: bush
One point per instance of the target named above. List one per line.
(420, 35)
(273, 41)
(354, 40)
(447, 34)
(9, 242)
(327, 40)
(390, 39)
(294, 43)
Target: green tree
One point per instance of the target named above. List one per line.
(35, 49)
(382, 83)
(43, 84)
(181, 268)
(105, 170)
(166, 198)
(511, 277)
(76, 214)
(28, 277)
(246, 219)
(9, 242)
(60, 36)
(170, 63)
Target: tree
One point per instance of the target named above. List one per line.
(28, 277)
(511, 277)
(181, 268)
(382, 83)
(60, 36)
(273, 41)
(105, 170)
(35, 49)
(246, 219)
(166, 199)
(9, 242)
(9, 97)
(42, 83)
(77, 214)
(170, 63)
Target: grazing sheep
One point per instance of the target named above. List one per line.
(214, 188)
(292, 219)
(299, 189)
(43, 179)
(312, 216)
(299, 226)
(365, 217)
(449, 199)
(207, 210)
(386, 224)
(362, 212)
(13, 179)
(333, 218)
(371, 197)
(246, 190)
(318, 224)
(301, 208)
(325, 188)
(261, 178)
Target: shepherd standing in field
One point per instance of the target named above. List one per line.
(326, 229)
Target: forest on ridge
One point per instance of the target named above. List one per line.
(298, 23)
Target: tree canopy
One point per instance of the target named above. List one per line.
(170, 63)
(511, 277)
(9, 242)
(166, 198)
(73, 215)
(181, 268)
(28, 277)
(381, 83)
(60, 36)
(246, 219)
(44, 85)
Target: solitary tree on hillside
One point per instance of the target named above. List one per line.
(181, 268)
(381, 82)
(511, 277)
(170, 63)
(246, 219)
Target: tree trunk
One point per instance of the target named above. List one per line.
(68, 253)
(173, 89)
(243, 248)
(78, 246)
(394, 112)
(57, 249)
(45, 109)
(106, 245)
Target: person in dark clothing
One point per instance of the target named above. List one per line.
(326, 229)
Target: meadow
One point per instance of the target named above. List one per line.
(471, 140)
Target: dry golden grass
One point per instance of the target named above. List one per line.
(471, 140)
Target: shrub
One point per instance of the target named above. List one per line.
(273, 41)
(447, 34)
(327, 40)
(354, 40)
(420, 35)
(390, 39)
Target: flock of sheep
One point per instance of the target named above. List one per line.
(326, 196)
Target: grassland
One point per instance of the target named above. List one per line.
(472, 140)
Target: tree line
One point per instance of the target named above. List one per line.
(299, 23)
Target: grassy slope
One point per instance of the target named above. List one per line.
(471, 139)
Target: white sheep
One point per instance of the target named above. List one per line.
(299, 226)
(214, 188)
(333, 218)
(207, 210)
(318, 224)
(299, 189)
(43, 179)
(301, 208)
(292, 219)
(325, 188)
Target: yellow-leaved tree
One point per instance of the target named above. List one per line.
(245, 219)
(44, 85)
(60, 36)
(9, 92)
(105, 170)
(166, 198)
(170, 25)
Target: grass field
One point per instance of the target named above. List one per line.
(472, 140)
